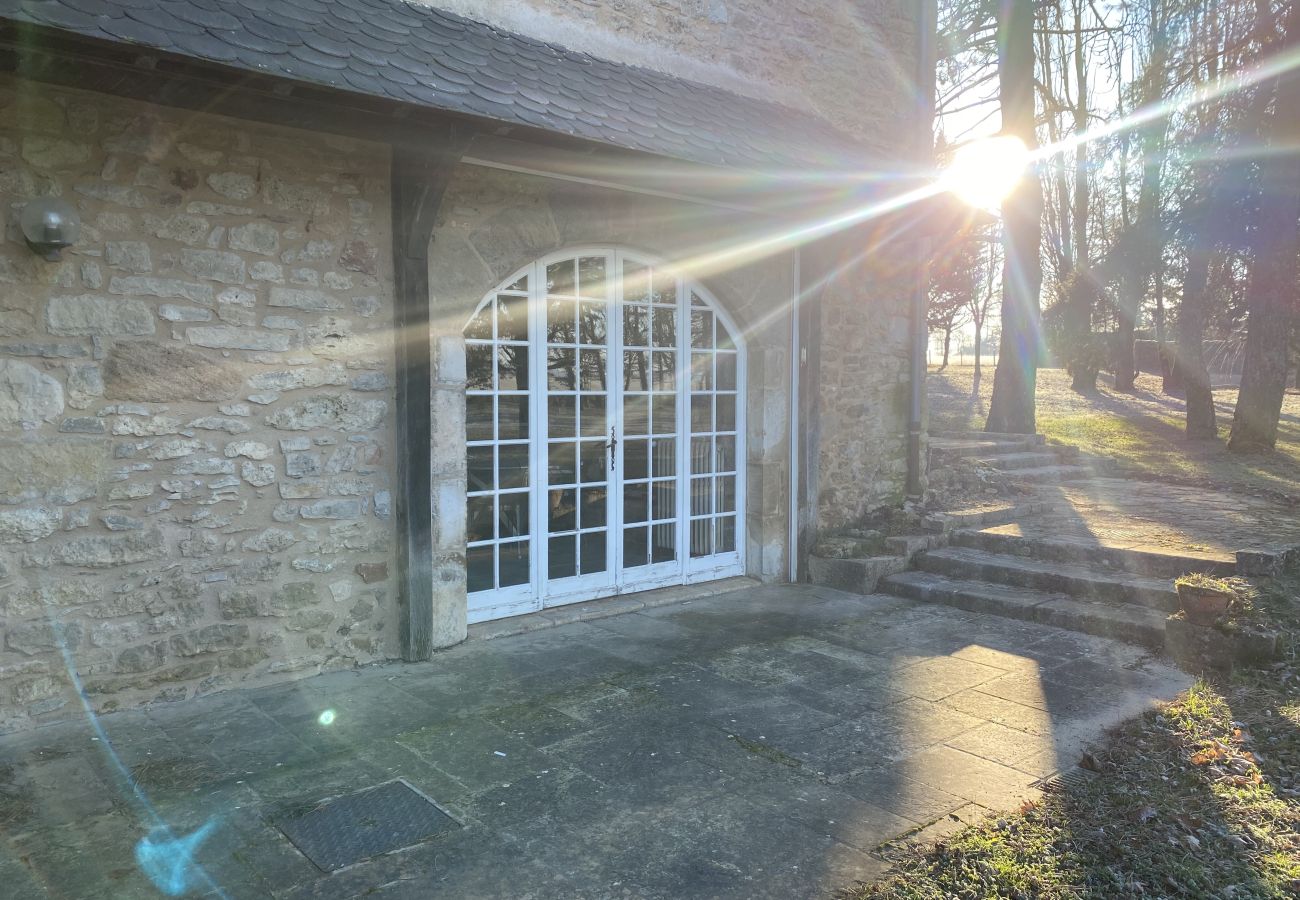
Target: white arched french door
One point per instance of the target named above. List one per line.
(605, 434)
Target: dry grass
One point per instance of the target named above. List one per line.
(1143, 430)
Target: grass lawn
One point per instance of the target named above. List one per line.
(1143, 430)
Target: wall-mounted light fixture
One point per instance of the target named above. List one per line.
(49, 224)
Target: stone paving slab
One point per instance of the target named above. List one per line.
(761, 743)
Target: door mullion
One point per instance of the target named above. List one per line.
(538, 428)
(614, 509)
(683, 428)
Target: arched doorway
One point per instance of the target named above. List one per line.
(605, 434)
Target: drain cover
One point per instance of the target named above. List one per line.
(370, 822)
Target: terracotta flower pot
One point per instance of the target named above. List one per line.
(1201, 605)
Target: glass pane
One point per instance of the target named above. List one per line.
(636, 547)
(663, 543)
(512, 368)
(513, 461)
(701, 329)
(697, 300)
(701, 455)
(636, 370)
(514, 418)
(512, 318)
(726, 454)
(593, 416)
(480, 474)
(726, 412)
(636, 502)
(663, 496)
(665, 287)
(563, 511)
(665, 414)
(636, 283)
(478, 418)
(665, 457)
(513, 515)
(701, 538)
(726, 493)
(591, 276)
(701, 371)
(591, 323)
(726, 371)
(634, 318)
(478, 568)
(520, 285)
(559, 277)
(560, 315)
(478, 525)
(591, 366)
(594, 466)
(593, 552)
(478, 367)
(514, 563)
(725, 341)
(727, 535)
(562, 416)
(665, 371)
(480, 327)
(636, 459)
(563, 561)
(665, 326)
(563, 463)
(594, 508)
(636, 415)
(701, 413)
(701, 496)
(561, 370)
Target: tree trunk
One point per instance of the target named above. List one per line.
(979, 337)
(1012, 407)
(947, 347)
(1189, 358)
(1272, 295)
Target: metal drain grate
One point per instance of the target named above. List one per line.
(370, 822)
(1063, 782)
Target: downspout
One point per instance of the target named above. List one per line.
(792, 552)
(926, 25)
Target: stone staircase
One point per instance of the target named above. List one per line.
(1110, 592)
(1027, 459)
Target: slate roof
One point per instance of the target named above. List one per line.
(414, 54)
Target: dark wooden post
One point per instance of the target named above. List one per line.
(420, 173)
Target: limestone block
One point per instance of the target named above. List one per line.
(228, 337)
(133, 256)
(214, 265)
(169, 288)
(28, 525)
(92, 314)
(255, 237)
(298, 298)
(234, 185)
(339, 412)
(28, 396)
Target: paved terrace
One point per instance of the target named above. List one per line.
(759, 743)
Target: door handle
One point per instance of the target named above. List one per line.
(613, 443)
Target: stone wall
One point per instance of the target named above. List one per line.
(849, 62)
(195, 405)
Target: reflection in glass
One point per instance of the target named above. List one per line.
(727, 534)
(512, 368)
(636, 370)
(591, 323)
(563, 463)
(636, 547)
(480, 469)
(665, 457)
(593, 552)
(726, 371)
(478, 367)
(563, 514)
(636, 283)
(636, 415)
(701, 455)
(701, 329)
(726, 493)
(594, 508)
(515, 568)
(665, 413)
(562, 416)
(665, 326)
(664, 543)
(665, 371)
(701, 413)
(560, 277)
(726, 412)
(636, 459)
(513, 470)
(726, 454)
(513, 515)
(664, 500)
(479, 564)
(563, 557)
(591, 277)
(701, 371)
(593, 462)
(636, 502)
(512, 318)
(478, 519)
(560, 316)
(591, 365)
(593, 415)
(478, 418)
(480, 327)
(561, 369)
(634, 333)
(514, 418)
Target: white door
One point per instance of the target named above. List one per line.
(605, 434)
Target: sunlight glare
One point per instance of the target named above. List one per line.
(984, 172)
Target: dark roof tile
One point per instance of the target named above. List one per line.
(417, 54)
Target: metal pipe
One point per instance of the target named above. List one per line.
(793, 537)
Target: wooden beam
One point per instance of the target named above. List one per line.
(420, 174)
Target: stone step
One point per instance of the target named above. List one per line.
(1036, 440)
(1121, 621)
(1053, 474)
(1152, 563)
(1078, 581)
(1010, 461)
(949, 450)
